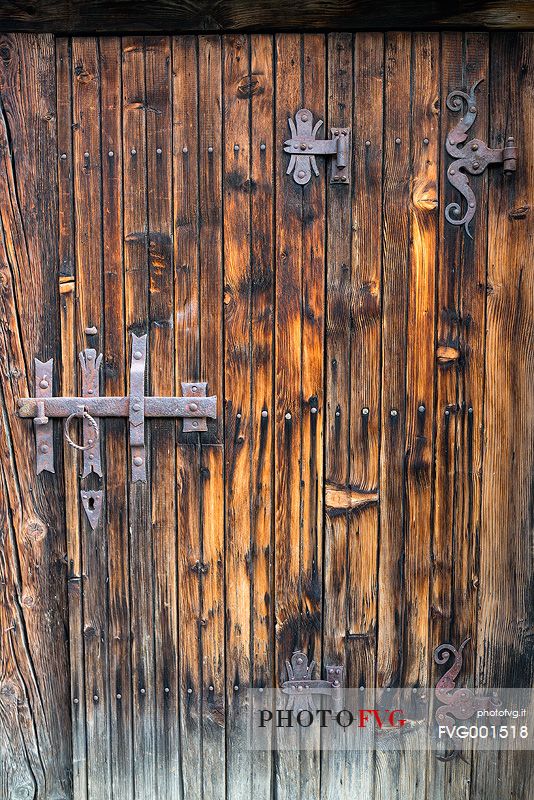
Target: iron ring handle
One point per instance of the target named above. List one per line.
(84, 415)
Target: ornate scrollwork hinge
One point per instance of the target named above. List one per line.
(456, 704)
(473, 157)
(303, 147)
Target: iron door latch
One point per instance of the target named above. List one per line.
(301, 685)
(472, 157)
(194, 407)
(303, 147)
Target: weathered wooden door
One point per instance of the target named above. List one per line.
(365, 492)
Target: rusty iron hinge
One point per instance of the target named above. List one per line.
(194, 407)
(455, 703)
(301, 685)
(473, 157)
(303, 147)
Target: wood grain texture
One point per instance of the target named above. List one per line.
(238, 425)
(35, 741)
(137, 320)
(87, 180)
(364, 492)
(117, 16)
(505, 617)
(213, 635)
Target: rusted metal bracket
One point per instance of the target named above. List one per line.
(303, 147)
(473, 157)
(301, 685)
(194, 407)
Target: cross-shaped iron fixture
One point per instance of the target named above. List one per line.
(194, 407)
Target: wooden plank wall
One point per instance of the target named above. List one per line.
(365, 491)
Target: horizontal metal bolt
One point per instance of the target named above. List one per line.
(393, 412)
(166, 690)
(236, 688)
(425, 140)
(159, 151)
(262, 146)
(133, 151)
(474, 146)
(264, 413)
(63, 156)
(138, 461)
(194, 424)
(210, 688)
(138, 355)
(192, 407)
(111, 154)
(76, 701)
(136, 407)
(119, 696)
(86, 155)
(313, 410)
(143, 691)
(184, 149)
(189, 691)
(210, 149)
(301, 173)
(288, 415)
(44, 384)
(397, 140)
(236, 147)
(421, 408)
(95, 698)
(365, 411)
(368, 143)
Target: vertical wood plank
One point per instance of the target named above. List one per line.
(162, 382)
(69, 361)
(35, 756)
(459, 360)
(396, 192)
(301, 72)
(504, 653)
(420, 378)
(336, 767)
(87, 173)
(238, 426)
(116, 442)
(212, 458)
(262, 362)
(187, 356)
(137, 321)
(420, 349)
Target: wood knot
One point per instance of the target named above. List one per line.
(82, 75)
(519, 213)
(35, 530)
(447, 355)
(248, 86)
(28, 601)
(5, 53)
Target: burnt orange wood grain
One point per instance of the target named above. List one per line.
(364, 492)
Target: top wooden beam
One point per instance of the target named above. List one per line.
(125, 16)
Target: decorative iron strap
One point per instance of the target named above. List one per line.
(472, 157)
(194, 408)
